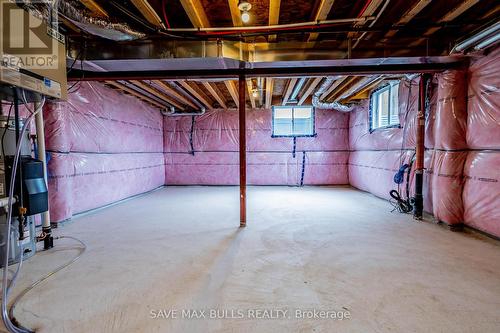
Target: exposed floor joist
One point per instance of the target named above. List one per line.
(169, 90)
(312, 85)
(214, 91)
(157, 93)
(450, 16)
(289, 88)
(196, 13)
(95, 8)
(341, 87)
(136, 94)
(324, 9)
(235, 13)
(233, 90)
(334, 85)
(196, 93)
(274, 15)
(407, 17)
(148, 12)
(269, 92)
(250, 93)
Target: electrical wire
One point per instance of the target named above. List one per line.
(6, 287)
(48, 275)
(164, 9)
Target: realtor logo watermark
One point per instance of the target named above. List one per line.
(251, 314)
(26, 42)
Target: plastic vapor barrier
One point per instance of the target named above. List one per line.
(203, 150)
(377, 156)
(481, 194)
(104, 146)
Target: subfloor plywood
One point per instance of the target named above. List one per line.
(323, 248)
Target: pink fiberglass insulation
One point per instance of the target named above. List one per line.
(104, 146)
(449, 146)
(203, 150)
(377, 156)
(481, 194)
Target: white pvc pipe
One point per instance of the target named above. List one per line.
(40, 136)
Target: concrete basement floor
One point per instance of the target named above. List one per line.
(324, 248)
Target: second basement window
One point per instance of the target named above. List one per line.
(289, 121)
(384, 110)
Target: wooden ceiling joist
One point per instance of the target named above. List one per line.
(323, 10)
(408, 16)
(450, 16)
(250, 93)
(274, 15)
(195, 91)
(95, 8)
(342, 87)
(196, 13)
(156, 93)
(215, 92)
(172, 92)
(233, 90)
(289, 89)
(132, 92)
(332, 87)
(269, 92)
(314, 83)
(148, 12)
(235, 13)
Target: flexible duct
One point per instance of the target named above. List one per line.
(317, 103)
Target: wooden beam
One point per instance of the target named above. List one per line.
(408, 16)
(196, 93)
(269, 92)
(314, 83)
(95, 8)
(156, 93)
(289, 89)
(135, 93)
(274, 15)
(324, 9)
(243, 150)
(250, 93)
(235, 13)
(215, 92)
(148, 12)
(233, 91)
(196, 13)
(172, 92)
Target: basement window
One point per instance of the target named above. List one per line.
(384, 106)
(293, 121)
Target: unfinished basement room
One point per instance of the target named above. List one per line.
(266, 166)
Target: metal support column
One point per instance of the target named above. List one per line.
(242, 85)
(420, 149)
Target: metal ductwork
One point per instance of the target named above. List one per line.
(317, 103)
(482, 39)
(97, 26)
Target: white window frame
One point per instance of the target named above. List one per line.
(293, 134)
(392, 121)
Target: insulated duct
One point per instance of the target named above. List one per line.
(317, 103)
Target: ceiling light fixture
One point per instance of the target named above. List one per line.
(244, 7)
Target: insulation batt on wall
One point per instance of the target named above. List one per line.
(104, 146)
(213, 157)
